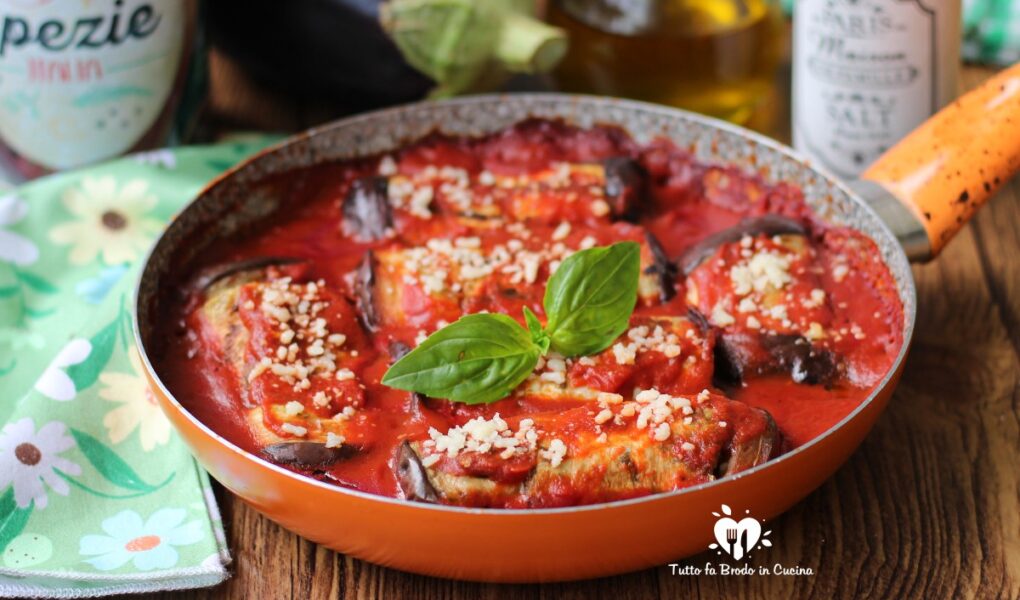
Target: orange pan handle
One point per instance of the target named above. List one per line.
(948, 167)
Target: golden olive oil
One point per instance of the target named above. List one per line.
(716, 57)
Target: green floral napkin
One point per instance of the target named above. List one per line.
(97, 493)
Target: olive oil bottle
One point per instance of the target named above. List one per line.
(716, 57)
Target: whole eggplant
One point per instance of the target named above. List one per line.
(333, 50)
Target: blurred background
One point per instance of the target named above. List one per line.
(82, 81)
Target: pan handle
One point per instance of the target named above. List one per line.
(948, 167)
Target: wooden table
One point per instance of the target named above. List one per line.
(928, 507)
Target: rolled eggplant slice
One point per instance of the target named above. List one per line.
(720, 437)
(668, 353)
(289, 354)
(764, 295)
(573, 192)
(220, 323)
(420, 286)
(611, 190)
(395, 289)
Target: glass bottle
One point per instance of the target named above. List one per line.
(867, 72)
(717, 57)
(86, 80)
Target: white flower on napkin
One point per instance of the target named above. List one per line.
(54, 383)
(149, 545)
(138, 407)
(29, 458)
(111, 220)
(15, 248)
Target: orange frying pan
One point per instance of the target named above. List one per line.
(910, 202)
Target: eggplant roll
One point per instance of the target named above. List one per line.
(764, 294)
(291, 352)
(618, 449)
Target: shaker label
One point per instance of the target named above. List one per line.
(864, 77)
(84, 80)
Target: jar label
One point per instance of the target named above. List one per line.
(84, 80)
(864, 77)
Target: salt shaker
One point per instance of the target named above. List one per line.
(867, 72)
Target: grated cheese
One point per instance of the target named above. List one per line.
(292, 429)
(555, 453)
(644, 338)
(483, 436)
(306, 347)
(387, 166)
(720, 317)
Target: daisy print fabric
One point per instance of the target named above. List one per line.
(110, 220)
(97, 494)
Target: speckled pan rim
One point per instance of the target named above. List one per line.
(889, 248)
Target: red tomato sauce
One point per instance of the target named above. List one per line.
(690, 201)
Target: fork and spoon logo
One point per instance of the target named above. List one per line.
(738, 538)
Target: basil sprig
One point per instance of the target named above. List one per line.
(588, 300)
(481, 358)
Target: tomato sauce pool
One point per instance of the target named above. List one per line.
(687, 202)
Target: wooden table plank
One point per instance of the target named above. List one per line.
(928, 507)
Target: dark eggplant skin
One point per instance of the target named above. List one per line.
(207, 277)
(398, 350)
(366, 209)
(739, 355)
(412, 476)
(363, 286)
(661, 266)
(626, 187)
(805, 362)
(767, 224)
(735, 354)
(699, 319)
(753, 452)
(329, 50)
(307, 455)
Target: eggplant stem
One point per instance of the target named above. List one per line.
(527, 45)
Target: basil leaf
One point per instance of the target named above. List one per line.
(538, 335)
(477, 359)
(588, 301)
